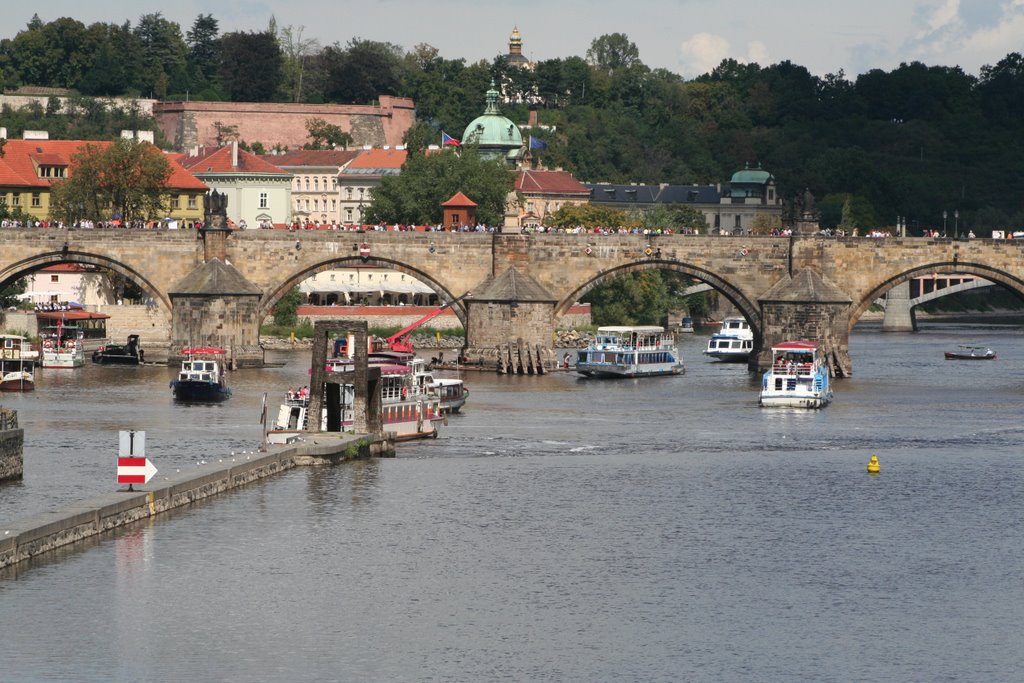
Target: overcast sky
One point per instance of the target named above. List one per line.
(688, 37)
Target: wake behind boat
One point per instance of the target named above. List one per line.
(630, 351)
(971, 353)
(798, 377)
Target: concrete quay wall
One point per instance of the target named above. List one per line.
(32, 536)
(12, 441)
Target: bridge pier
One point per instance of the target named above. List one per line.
(510, 325)
(899, 313)
(805, 307)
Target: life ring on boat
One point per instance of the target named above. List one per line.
(648, 251)
(588, 250)
(405, 392)
(48, 344)
(743, 252)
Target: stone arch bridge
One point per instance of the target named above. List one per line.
(217, 286)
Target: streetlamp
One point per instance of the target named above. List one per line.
(956, 223)
(944, 216)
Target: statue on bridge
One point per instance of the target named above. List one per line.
(216, 210)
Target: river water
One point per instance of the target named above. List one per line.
(561, 529)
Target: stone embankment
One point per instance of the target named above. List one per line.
(32, 536)
(565, 339)
(12, 442)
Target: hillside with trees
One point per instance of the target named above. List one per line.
(911, 142)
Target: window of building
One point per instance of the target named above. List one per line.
(316, 204)
(16, 199)
(334, 205)
(307, 183)
(334, 183)
(348, 193)
(192, 202)
(307, 205)
(264, 201)
(348, 215)
(175, 202)
(37, 200)
(316, 184)
(55, 278)
(325, 183)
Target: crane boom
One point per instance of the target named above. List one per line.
(399, 341)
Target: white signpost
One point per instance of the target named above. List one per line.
(132, 465)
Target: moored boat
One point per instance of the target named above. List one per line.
(798, 377)
(16, 361)
(686, 324)
(971, 353)
(201, 378)
(117, 354)
(63, 346)
(734, 342)
(630, 351)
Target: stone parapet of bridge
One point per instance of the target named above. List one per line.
(559, 268)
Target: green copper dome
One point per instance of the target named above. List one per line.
(755, 176)
(494, 134)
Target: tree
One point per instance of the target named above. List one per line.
(203, 49)
(641, 298)
(250, 68)
(125, 179)
(284, 309)
(612, 52)
(163, 52)
(586, 216)
(362, 71)
(415, 195)
(323, 135)
(296, 51)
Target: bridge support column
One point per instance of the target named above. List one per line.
(510, 325)
(899, 314)
(806, 307)
(215, 306)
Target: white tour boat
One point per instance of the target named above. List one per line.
(63, 347)
(733, 343)
(16, 362)
(634, 351)
(798, 377)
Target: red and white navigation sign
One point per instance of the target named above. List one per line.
(132, 465)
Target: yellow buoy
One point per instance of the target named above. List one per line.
(873, 466)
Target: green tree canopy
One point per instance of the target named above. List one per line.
(126, 179)
(323, 135)
(415, 196)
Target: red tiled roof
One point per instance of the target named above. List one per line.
(312, 157)
(459, 199)
(218, 160)
(379, 158)
(549, 182)
(17, 168)
(64, 268)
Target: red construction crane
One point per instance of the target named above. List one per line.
(399, 341)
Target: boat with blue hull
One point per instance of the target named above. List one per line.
(630, 351)
(201, 378)
(797, 378)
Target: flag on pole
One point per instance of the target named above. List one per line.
(537, 143)
(448, 140)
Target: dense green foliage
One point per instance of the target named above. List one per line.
(641, 298)
(415, 195)
(127, 177)
(909, 142)
(284, 310)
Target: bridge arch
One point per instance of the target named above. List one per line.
(24, 267)
(271, 298)
(994, 275)
(749, 309)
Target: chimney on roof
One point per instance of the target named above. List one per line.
(234, 154)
